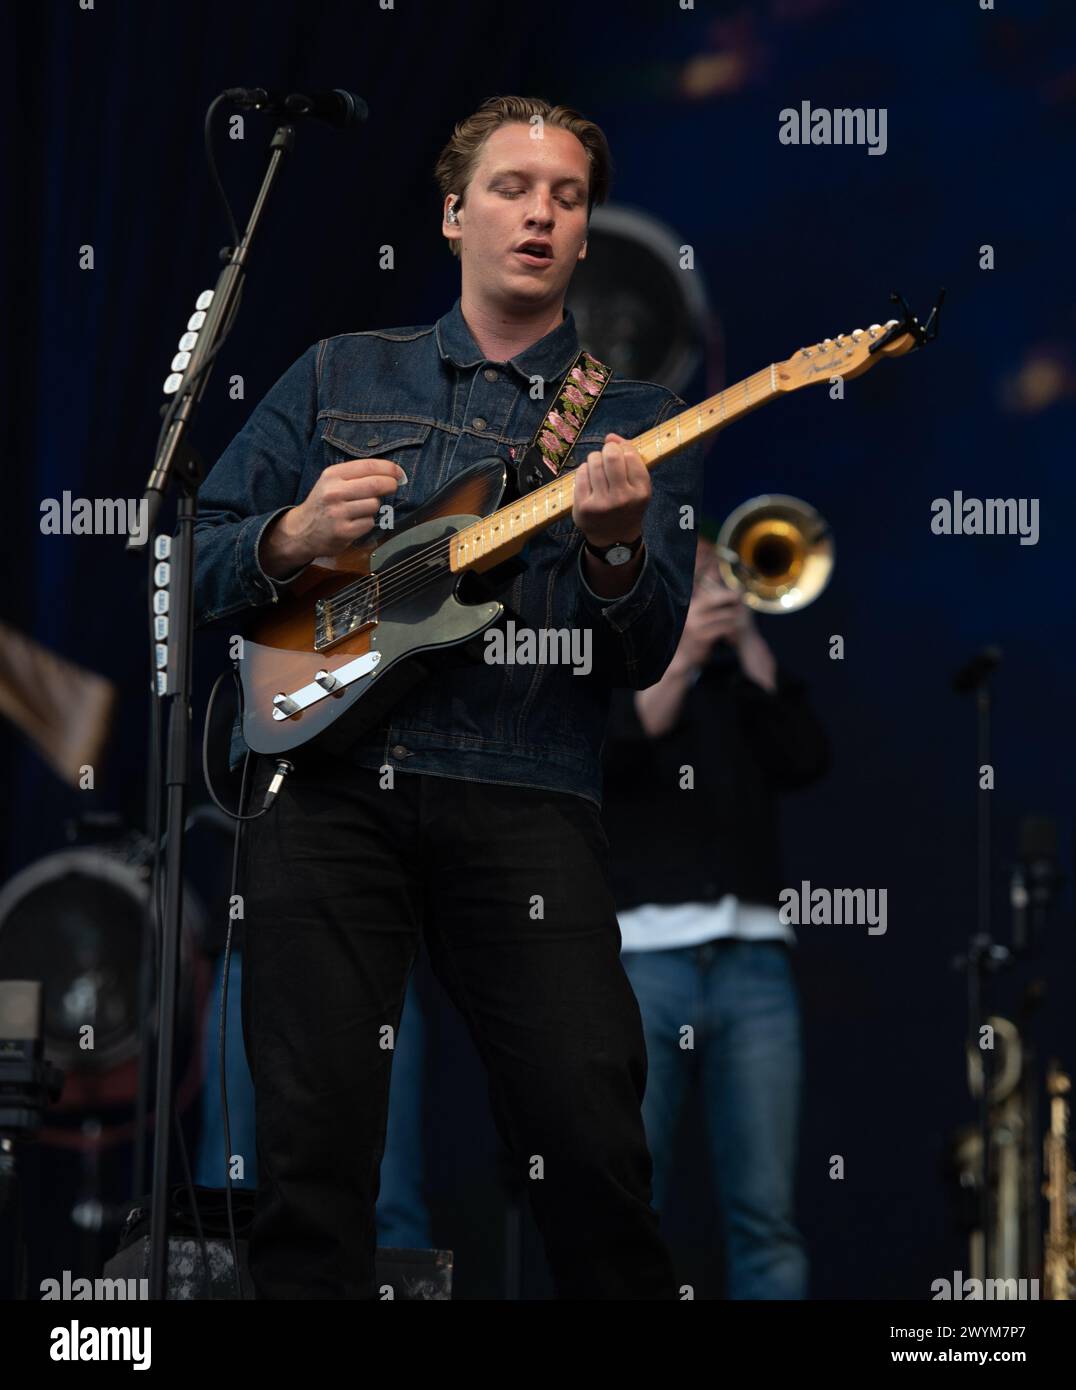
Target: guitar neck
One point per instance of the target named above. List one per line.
(502, 531)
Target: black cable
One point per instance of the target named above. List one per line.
(189, 1179)
(233, 230)
(223, 1038)
(211, 160)
(239, 817)
(236, 815)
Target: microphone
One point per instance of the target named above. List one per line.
(977, 671)
(336, 108)
(1035, 880)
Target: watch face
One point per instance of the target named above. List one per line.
(618, 555)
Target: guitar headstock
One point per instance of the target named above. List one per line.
(847, 355)
(850, 354)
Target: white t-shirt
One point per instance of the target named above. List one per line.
(665, 926)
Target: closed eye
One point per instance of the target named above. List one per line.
(568, 203)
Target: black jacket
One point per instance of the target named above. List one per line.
(745, 746)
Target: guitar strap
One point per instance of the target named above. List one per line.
(546, 456)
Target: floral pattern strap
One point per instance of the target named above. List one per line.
(555, 437)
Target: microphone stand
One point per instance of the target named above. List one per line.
(981, 953)
(178, 460)
(984, 956)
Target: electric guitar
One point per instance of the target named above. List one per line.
(352, 633)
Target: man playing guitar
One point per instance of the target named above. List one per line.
(471, 813)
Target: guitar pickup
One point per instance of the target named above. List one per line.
(345, 614)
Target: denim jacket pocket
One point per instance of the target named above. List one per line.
(387, 437)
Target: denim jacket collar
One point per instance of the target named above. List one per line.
(550, 357)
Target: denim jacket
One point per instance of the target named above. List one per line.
(427, 399)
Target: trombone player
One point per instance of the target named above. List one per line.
(694, 767)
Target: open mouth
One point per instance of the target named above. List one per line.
(535, 253)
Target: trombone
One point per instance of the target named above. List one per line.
(777, 551)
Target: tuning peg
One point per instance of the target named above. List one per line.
(805, 352)
(874, 329)
(857, 333)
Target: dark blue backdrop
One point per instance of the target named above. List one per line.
(795, 243)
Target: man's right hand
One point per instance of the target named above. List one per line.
(339, 510)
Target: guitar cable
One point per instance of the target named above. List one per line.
(283, 768)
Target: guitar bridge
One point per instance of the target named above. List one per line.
(345, 614)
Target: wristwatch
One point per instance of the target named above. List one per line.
(619, 553)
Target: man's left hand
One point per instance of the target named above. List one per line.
(612, 492)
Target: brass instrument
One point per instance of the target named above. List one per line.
(778, 551)
(1059, 1189)
(1010, 1221)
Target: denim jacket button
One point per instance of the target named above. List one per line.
(399, 751)
(374, 439)
(478, 422)
(490, 374)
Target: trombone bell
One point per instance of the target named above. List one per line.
(777, 551)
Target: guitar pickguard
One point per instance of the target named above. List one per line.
(351, 641)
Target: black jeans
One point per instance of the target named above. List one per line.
(509, 887)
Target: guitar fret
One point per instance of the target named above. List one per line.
(532, 513)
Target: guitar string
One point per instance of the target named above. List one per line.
(421, 561)
(391, 592)
(417, 571)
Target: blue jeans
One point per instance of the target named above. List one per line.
(403, 1217)
(402, 1212)
(740, 999)
(209, 1166)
